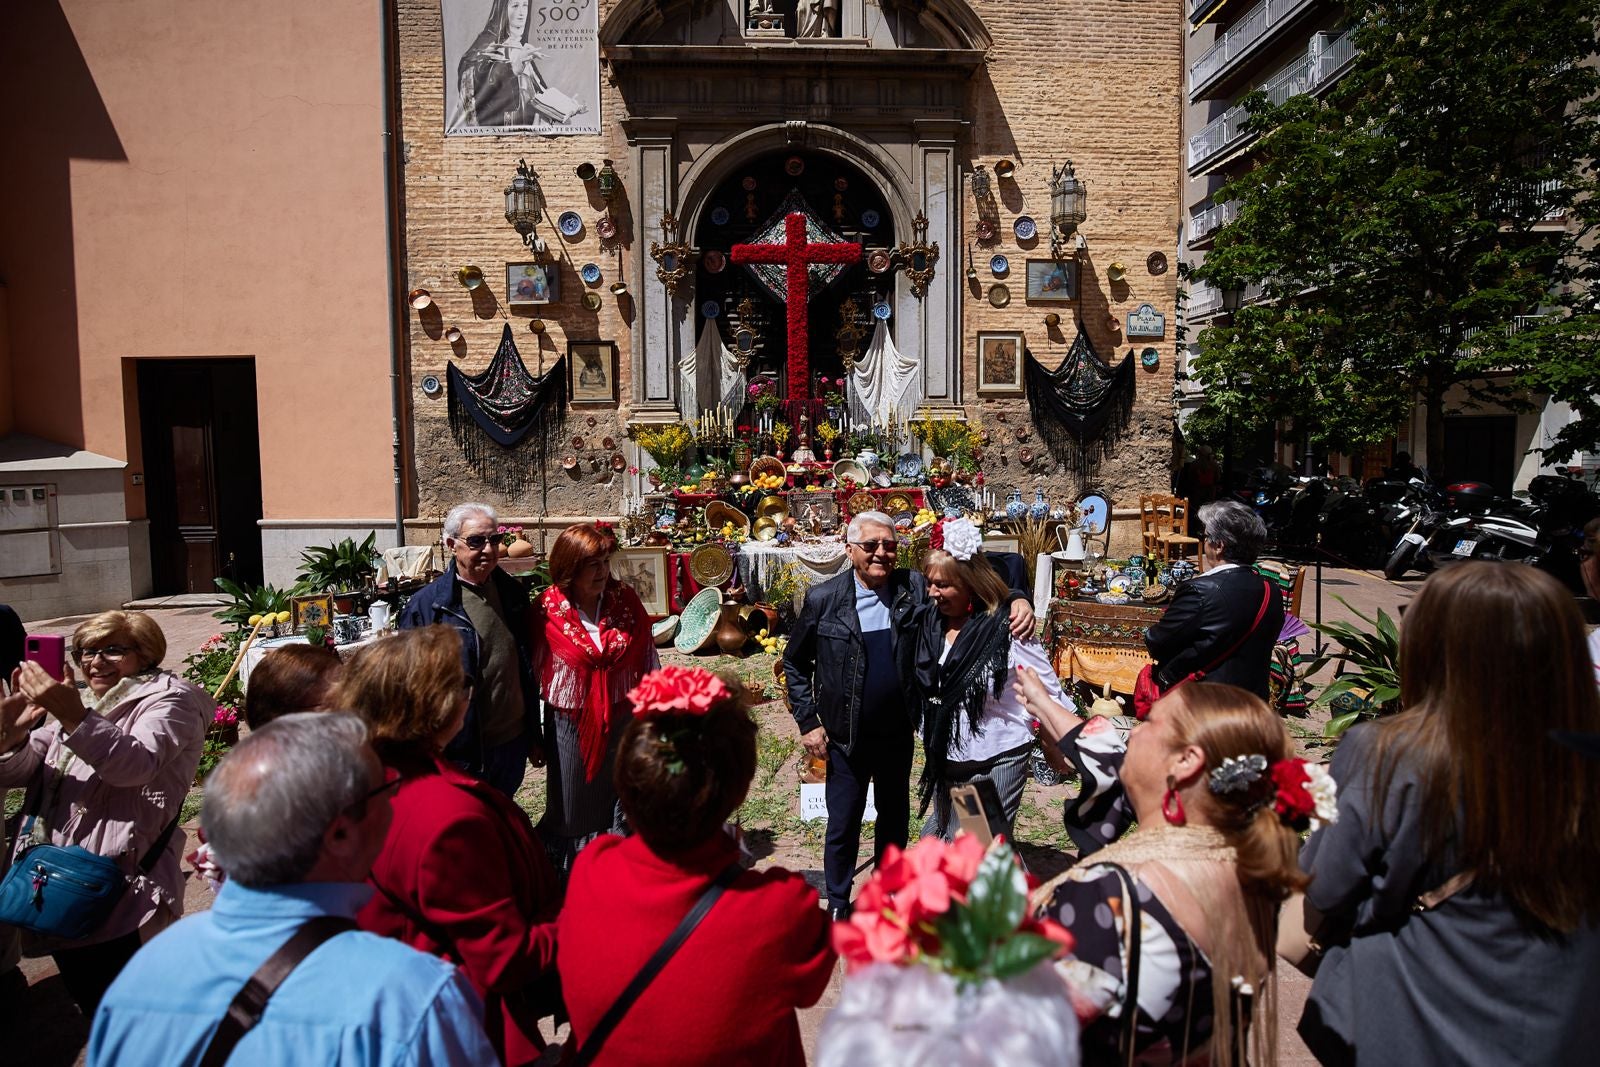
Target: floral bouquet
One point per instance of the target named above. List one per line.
(763, 395)
(957, 908)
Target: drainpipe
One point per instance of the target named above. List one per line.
(393, 173)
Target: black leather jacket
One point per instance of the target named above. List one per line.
(825, 662)
(1208, 615)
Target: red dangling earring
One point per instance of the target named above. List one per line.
(1172, 804)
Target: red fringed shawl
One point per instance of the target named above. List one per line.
(576, 678)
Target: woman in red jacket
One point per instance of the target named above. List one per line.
(729, 994)
(462, 874)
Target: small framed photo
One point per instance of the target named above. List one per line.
(645, 571)
(1052, 281)
(313, 610)
(1000, 363)
(814, 511)
(1005, 543)
(528, 284)
(592, 372)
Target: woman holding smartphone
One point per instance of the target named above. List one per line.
(107, 768)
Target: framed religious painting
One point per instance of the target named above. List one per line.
(644, 570)
(592, 372)
(529, 284)
(1052, 281)
(1000, 363)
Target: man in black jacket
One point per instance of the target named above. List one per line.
(847, 697)
(1216, 622)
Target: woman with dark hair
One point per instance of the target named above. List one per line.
(288, 679)
(973, 726)
(462, 875)
(729, 993)
(1458, 899)
(497, 76)
(1221, 800)
(592, 644)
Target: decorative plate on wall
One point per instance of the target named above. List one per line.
(1156, 263)
(714, 261)
(870, 218)
(794, 166)
(590, 273)
(605, 228)
(878, 261)
(710, 309)
(881, 311)
(570, 223)
(1150, 357)
(719, 216)
(999, 264)
(985, 230)
(999, 295)
(430, 386)
(1025, 228)
(591, 301)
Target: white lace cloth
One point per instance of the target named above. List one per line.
(709, 377)
(760, 561)
(884, 381)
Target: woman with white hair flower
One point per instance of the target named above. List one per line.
(973, 726)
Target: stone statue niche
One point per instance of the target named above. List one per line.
(809, 18)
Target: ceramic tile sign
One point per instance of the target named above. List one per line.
(814, 803)
(1146, 321)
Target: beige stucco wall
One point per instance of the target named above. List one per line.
(198, 180)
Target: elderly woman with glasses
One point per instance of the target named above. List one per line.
(107, 768)
(462, 874)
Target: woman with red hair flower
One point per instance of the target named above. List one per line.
(593, 643)
(728, 994)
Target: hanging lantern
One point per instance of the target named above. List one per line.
(608, 182)
(522, 202)
(1068, 202)
(980, 184)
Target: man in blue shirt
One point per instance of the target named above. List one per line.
(296, 815)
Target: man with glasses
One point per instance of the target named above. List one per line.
(843, 671)
(490, 611)
(296, 814)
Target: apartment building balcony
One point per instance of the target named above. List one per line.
(1319, 69)
(1206, 220)
(1206, 300)
(1510, 329)
(1247, 37)
(1200, 10)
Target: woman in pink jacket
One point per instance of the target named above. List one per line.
(107, 769)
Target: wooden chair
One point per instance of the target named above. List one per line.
(1154, 520)
(1178, 536)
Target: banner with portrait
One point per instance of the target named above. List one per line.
(521, 66)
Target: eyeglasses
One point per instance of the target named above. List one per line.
(110, 653)
(871, 547)
(478, 542)
(391, 780)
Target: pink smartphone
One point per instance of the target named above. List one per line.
(50, 652)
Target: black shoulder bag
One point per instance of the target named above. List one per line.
(652, 967)
(1132, 922)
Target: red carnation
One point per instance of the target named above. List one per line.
(677, 691)
(936, 537)
(1293, 801)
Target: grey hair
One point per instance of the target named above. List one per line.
(891, 1016)
(863, 519)
(1236, 528)
(271, 799)
(461, 512)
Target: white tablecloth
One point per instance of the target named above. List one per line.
(759, 562)
(253, 654)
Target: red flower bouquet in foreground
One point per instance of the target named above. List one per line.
(957, 908)
(677, 691)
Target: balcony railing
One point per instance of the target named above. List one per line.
(1204, 223)
(1199, 9)
(1303, 76)
(1515, 326)
(1204, 299)
(1257, 25)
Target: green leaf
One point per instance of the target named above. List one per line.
(997, 899)
(1021, 953)
(1340, 723)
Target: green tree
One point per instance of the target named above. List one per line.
(1400, 225)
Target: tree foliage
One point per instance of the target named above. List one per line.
(1400, 224)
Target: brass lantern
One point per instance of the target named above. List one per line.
(522, 202)
(608, 182)
(1068, 203)
(980, 184)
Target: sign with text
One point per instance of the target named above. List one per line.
(521, 66)
(1146, 321)
(814, 803)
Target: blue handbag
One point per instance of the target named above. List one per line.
(65, 891)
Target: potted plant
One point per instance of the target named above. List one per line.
(337, 568)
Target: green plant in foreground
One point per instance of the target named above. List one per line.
(1371, 685)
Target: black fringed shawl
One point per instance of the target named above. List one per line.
(506, 403)
(951, 695)
(1082, 406)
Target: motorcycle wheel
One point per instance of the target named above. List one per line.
(1400, 560)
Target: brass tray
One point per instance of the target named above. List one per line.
(711, 565)
(899, 502)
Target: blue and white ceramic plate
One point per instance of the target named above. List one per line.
(719, 216)
(880, 311)
(711, 309)
(999, 264)
(1024, 228)
(870, 218)
(571, 223)
(590, 272)
(1150, 357)
(909, 465)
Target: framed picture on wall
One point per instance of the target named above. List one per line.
(1052, 281)
(645, 571)
(1000, 363)
(592, 372)
(528, 284)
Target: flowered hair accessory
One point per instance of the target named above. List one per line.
(961, 538)
(955, 908)
(677, 691)
(1303, 793)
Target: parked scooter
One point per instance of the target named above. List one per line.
(1417, 513)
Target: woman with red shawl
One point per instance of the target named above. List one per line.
(593, 644)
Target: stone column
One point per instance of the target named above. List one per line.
(938, 178)
(657, 341)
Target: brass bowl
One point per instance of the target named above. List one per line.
(772, 507)
(765, 528)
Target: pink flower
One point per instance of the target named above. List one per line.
(872, 937)
(677, 691)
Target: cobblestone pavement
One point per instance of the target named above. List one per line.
(54, 1033)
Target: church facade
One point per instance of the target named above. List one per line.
(920, 137)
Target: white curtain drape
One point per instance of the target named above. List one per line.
(884, 381)
(709, 377)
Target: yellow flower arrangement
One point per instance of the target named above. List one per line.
(667, 445)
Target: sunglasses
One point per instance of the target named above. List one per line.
(871, 547)
(478, 542)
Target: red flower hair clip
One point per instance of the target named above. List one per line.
(677, 691)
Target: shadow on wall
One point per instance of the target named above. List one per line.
(61, 118)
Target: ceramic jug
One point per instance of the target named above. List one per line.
(1041, 508)
(1015, 508)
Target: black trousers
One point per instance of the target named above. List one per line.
(883, 758)
(89, 971)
